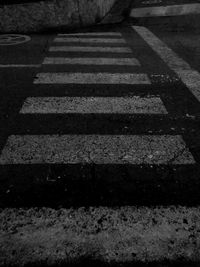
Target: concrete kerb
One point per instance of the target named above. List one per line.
(172, 16)
(182, 23)
(52, 14)
(108, 235)
(118, 13)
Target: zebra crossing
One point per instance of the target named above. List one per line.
(96, 149)
(73, 149)
(100, 156)
(89, 40)
(107, 105)
(92, 61)
(91, 78)
(90, 49)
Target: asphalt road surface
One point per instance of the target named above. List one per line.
(107, 117)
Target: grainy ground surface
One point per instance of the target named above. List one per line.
(38, 16)
(138, 207)
(182, 119)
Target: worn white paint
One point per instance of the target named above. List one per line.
(172, 10)
(189, 76)
(98, 149)
(13, 39)
(89, 40)
(90, 49)
(90, 34)
(91, 78)
(92, 61)
(104, 105)
(116, 234)
(20, 65)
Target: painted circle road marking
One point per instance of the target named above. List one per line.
(13, 39)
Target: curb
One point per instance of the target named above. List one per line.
(182, 23)
(118, 12)
(166, 11)
(169, 17)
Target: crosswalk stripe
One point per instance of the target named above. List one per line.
(97, 149)
(91, 34)
(90, 49)
(88, 40)
(156, 234)
(20, 65)
(65, 105)
(92, 61)
(189, 76)
(91, 78)
(116, 234)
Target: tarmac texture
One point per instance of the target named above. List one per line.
(100, 161)
(37, 16)
(112, 235)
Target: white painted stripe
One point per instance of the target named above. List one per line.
(87, 105)
(116, 234)
(91, 78)
(89, 40)
(90, 49)
(92, 61)
(189, 76)
(20, 65)
(91, 34)
(173, 10)
(98, 149)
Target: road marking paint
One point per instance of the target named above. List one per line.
(189, 76)
(91, 34)
(91, 78)
(88, 105)
(90, 49)
(114, 233)
(13, 39)
(92, 61)
(89, 40)
(173, 10)
(97, 149)
(20, 65)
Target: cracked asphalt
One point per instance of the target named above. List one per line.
(176, 115)
(100, 147)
